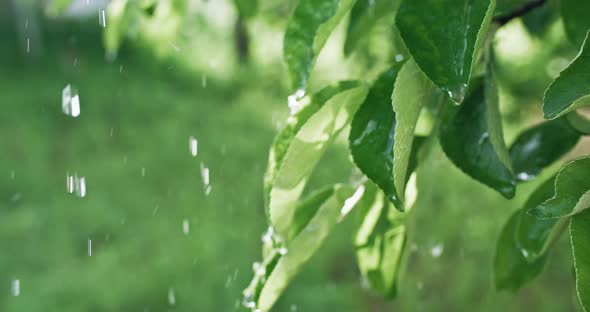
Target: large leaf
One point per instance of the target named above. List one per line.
(541, 145)
(580, 234)
(521, 252)
(364, 16)
(575, 19)
(471, 136)
(307, 31)
(380, 242)
(445, 37)
(571, 90)
(299, 147)
(572, 191)
(283, 266)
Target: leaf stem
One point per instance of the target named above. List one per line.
(522, 11)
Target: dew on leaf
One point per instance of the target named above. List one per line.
(294, 101)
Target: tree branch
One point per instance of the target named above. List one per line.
(525, 9)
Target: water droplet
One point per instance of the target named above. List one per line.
(525, 253)
(248, 301)
(399, 57)
(484, 137)
(258, 268)
(283, 251)
(143, 171)
(102, 18)
(458, 93)
(294, 101)
(437, 250)
(15, 287)
(193, 146)
(75, 184)
(12, 175)
(293, 307)
(205, 178)
(524, 176)
(350, 202)
(70, 101)
(171, 297)
(28, 45)
(89, 247)
(185, 226)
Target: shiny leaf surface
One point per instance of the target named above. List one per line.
(363, 17)
(572, 191)
(579, 233)
(444, 37)
(575, 19)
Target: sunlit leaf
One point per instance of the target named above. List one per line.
(572, 191)
(571, 90)
(307, 31)
(521, 252)
(445, 37)
(117, 16)
(300, 248)
(299, 147)
(575, 19)
(540, 146)
(380, 242)
(364, 16)
(471, 136)
(579, 233)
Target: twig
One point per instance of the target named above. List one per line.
(503, 19)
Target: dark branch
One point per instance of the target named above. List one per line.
(524, 10)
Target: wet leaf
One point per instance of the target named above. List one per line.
(380, 242)
(571, 90)
(504, 7)
(308, 29)
(471, 136)
(521, 252)
(540, 146)
(445, 37)
(303, 246)
(299, 147)
(579, 233)
(572, 191)
(575, 19)
(364, 16)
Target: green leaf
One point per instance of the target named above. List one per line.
(380, 242)
(579, 233)
(299, 147)
(471, 136)
(445, 37)
(575, 19)
(541, 145)
(246, 8)
(364, 16)
(572, 191)
(504, 7)
(264, 292)
(580, 123)
(307, 31)
(58, 7)
(117, 17)
(571, 90)
(521, 252)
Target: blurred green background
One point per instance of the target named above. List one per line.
(159, 240)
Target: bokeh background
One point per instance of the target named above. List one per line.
(212, 70)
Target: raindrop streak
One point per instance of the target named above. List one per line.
(205, 177)
(171, 297)
(28, 45)
(350, 202)
(437, 250)
(70, 102)
(185, 226)
(294, 101)
(143, 171)
(15, 287)
(193, 146)
(75, 184)
(102, 18)
(204, 81)
(89, 247)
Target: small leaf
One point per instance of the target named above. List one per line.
(571, 90)
(471, 136)
(299, 147)
(444, 37)
(380, 242)
(575, 19)
(300, 249)
(307, 31)
(363, 17)
(579, 233)
(540, 146)
(572, 191)
(521, 252)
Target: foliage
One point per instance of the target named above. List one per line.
(444, 77)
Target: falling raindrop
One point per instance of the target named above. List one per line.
(70, 101)
(155, 210)
(294, 101)
(143, 171)
(204, 81)
(484, 137)
(171, 297)
(75, 184)
(12, 175)
(205, 178)
(293, 307)
(28, 45)
(89, 247)
(15, 287)
(185, 226)
(102, 18)
(437, 250)
(193, 146)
